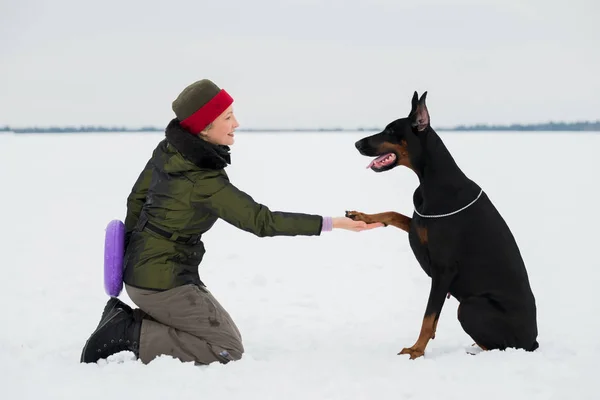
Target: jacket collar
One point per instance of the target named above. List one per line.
(195, 149)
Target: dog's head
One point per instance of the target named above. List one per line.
(398, 143)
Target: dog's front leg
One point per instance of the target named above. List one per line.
(387, 218)
(440, 284)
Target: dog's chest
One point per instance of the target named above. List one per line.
(418, 238)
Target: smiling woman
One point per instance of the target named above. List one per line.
(178, 197)
(221, 130)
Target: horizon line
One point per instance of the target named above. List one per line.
(552, 125)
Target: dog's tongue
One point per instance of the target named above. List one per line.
(378, 159)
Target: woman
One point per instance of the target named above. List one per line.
(177, 198)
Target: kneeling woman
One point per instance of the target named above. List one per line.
(179, 195)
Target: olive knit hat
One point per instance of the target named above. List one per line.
(199, 104)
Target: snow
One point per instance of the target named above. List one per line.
(321, 317)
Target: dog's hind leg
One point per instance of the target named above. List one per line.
(483, 323)
(490, 327)
(387, 218)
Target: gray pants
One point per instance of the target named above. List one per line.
(188, 323)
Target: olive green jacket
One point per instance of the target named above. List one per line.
(182, 191)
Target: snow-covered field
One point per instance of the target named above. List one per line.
(321, 317)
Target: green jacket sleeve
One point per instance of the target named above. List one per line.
(136, 199)
(232, 205)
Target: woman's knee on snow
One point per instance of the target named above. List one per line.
(232, 353)
(236, 349)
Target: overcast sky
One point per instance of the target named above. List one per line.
(309, 63)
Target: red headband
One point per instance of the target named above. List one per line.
(199, 120)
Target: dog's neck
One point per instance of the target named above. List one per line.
(443, 186)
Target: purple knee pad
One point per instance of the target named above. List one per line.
(114, 248)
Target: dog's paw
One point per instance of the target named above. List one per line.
(356, 216)
(413, 352)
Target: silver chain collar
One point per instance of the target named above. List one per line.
(451, 213)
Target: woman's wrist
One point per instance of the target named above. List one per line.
(327, 224)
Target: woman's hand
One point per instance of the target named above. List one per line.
(351, 225)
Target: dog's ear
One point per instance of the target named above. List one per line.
(419, 115)
(415, 103)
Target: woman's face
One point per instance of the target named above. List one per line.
(220, 131)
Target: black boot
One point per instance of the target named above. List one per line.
(119, 331)
(112, 304)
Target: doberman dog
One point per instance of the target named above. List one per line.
(458, 237)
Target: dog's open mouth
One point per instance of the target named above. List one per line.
(383, 161)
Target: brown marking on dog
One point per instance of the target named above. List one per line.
(387, 218)
(427, 331)
(422, 233)
(401, 151)
(434, 329)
